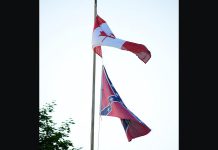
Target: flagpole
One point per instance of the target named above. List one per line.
(93, 90)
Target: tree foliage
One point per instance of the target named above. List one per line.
(50, 136)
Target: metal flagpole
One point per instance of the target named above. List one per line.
(93, 89)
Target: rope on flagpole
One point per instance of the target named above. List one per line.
(99, 118)
(99, 124)
(93, 90)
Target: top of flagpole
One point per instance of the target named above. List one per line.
(95, 9)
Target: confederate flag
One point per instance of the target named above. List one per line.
(112, 105)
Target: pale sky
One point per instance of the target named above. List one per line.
(149, 90)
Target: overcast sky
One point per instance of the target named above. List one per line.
(149, 90)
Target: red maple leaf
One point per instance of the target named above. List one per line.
(102, 33)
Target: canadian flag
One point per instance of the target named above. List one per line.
(103, 36)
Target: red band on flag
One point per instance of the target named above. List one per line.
(134, 47)
(98, 22)
(97, 50)
(140, 50)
